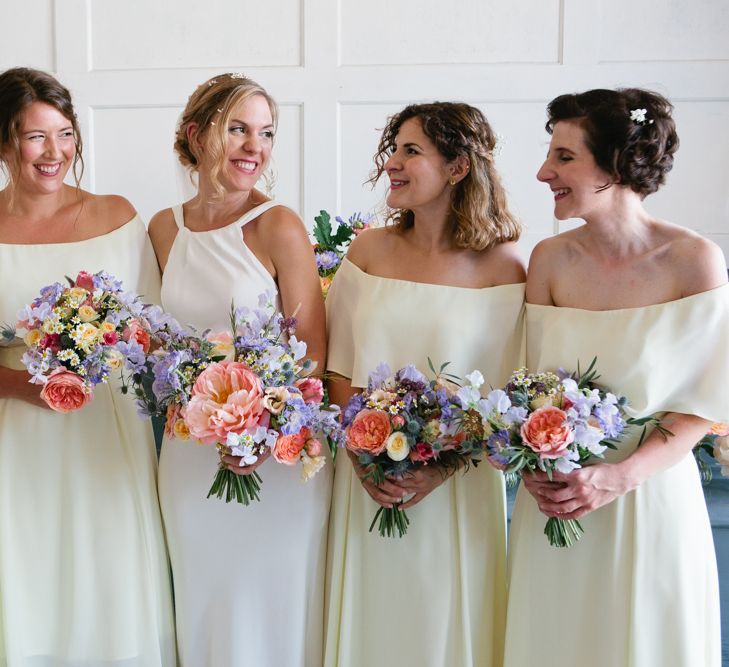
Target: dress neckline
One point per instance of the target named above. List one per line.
(650, 306)
(179, 216)
(130, 223)
(421, 284)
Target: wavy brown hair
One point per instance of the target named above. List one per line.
(479, 214)
(19, 88)
(210, 107)
(637, 154)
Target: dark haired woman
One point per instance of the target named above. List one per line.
(83, 569)
(443, 281)
(650, 300)
(249, 581)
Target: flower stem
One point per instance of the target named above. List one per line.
(390, 519)
(563, 533)
(242, 488)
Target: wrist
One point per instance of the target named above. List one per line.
(629, 475)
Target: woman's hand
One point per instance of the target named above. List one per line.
(570, 496)
(232, 463)
(15, 384)
(421, 481)
(387, 494)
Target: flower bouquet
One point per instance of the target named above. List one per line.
(548, 422)
(331, 244)
(714, 446)
(247, 391)
(403, 421)
(78, 334)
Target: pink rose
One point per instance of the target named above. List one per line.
(313, 447)
(398, 421)
(65, 391)
(288, 447)
(52, 342)
(173, 414)
(547, 432)
(422, 452)
(110, 338)
(85, 280)
(135, 331)
(312, 389)
(226, 397)
(369, 432)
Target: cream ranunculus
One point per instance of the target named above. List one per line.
(541, 401)
(275, 399)
(310, 465)
(114, 358)
(397, 446)
(87, 314)
(381, 398)
(86, 335)
(33, 337)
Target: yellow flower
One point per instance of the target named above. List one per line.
(52, 325)
(87, 314)
(85, 335)
(310, 465)
(107, 327)
(77, 294)
(397, 446)
(114, 358)
(32, 338)
(180, 430)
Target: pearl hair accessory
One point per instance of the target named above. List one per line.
(638, 116)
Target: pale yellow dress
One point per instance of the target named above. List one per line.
(84, 578)
(435, 597)
(640, 589)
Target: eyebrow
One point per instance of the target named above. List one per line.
(410, 144)
(242, 122)
(564, 148)
(63, 129)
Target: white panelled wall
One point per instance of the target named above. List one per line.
(339, 67)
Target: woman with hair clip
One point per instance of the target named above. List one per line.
(442, 281)
(650, 300)
(240, 573)
(83, 569)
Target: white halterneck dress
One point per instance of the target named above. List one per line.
(640, 588)
(436, 596)
(248, 581)
(84, 578)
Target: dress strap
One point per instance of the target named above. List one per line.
(256, 211)
(179, 216)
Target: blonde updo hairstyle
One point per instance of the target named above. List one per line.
(480, 217)
(211, 107)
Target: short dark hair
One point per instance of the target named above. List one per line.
(637, 152)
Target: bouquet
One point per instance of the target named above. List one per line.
(78, 334)
(331, 245)
(714, 446)
(247, 391)
(404, 421)
(548, 422)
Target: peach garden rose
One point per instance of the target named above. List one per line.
(369, 431)
(65, 391)
(546, 432)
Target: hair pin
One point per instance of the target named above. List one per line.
(638, 116)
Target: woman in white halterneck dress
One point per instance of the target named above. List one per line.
(249, 580)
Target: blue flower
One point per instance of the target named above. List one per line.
(327, 260)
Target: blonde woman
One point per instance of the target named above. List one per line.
(248, 580)
(442, 281)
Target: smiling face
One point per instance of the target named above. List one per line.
(572, 174)
(419, 174)
(248, 144)
(46, 149)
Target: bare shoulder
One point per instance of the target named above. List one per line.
(108, 212)
(546, 255)
(162, 231)
(505, 263)
(372, 241)
(697, 262)
(281, 225)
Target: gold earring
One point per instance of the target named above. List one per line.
(453, 181)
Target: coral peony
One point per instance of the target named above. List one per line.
(226, 397)
(547, 433)
(135, 331)
(65, 391)
(369, 432)
(288, 448)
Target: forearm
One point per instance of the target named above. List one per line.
(658, 453)
(15, 384)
